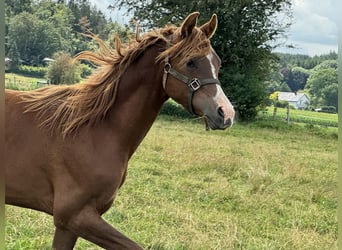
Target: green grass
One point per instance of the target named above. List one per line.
(304, 116)
(264, 185)
(21, 82)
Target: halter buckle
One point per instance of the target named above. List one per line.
(194, 84)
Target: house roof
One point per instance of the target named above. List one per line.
(46, 59)
(290, 96)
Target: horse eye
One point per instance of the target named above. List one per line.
(191, 64)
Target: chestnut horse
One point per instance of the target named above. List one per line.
(67, 147)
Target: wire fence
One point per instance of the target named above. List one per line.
(307, 117)
(17, 83)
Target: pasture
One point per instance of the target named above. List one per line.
(304, 117)
(21, 82)
(265, 185)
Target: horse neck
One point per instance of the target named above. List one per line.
(139, 100)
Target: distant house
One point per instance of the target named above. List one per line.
(297, 100)
(48, 60)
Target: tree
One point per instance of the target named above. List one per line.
(37, 29)
(15, 7)
(304, 61)
(12, 8)
(14, 55)
(328, 64)
(245, 32)
(61, 17)
(322, 85)
(34, 38)
(288, 76)
(330, 95)
(299, 78)
(276, 80)
(115, 29)
(297, 69)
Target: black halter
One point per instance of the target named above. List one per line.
(193, 83)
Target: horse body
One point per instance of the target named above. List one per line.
(25, 156)
(75, 177)
(53, 165)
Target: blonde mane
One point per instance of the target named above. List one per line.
(69, 107)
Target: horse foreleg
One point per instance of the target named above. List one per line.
(63, 240)
(89, 225)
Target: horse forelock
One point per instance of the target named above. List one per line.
(182, 50)
(67, 108)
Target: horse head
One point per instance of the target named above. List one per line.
(191, 73)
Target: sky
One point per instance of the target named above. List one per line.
(315, 27)
(314, 30)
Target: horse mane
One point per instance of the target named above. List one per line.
(66, 108)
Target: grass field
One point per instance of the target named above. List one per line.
(265, 185)
(304, 116)
(20, 82)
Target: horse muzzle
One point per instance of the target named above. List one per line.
(222, 119)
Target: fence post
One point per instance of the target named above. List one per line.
(274, 112)
(288, 114)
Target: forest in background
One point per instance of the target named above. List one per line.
(316, 76)
(36, 30)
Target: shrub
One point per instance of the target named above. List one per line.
(327, 109)
(86, 70)
(172, 108)
(64, 70)
(31, 71)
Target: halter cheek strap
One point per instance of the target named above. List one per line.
(193, 83)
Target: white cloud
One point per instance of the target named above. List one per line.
(315, 26)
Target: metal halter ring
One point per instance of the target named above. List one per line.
(167, 68)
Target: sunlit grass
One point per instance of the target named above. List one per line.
(304, 116)
(252, 187)
(20, 82)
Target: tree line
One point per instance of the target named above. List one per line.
(36, 29)
(314, 75)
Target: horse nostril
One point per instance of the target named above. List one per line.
(228, 123)
(220, 112)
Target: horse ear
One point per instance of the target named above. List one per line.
(189, 24)
(210, 27)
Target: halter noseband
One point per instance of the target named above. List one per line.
(193, 83)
